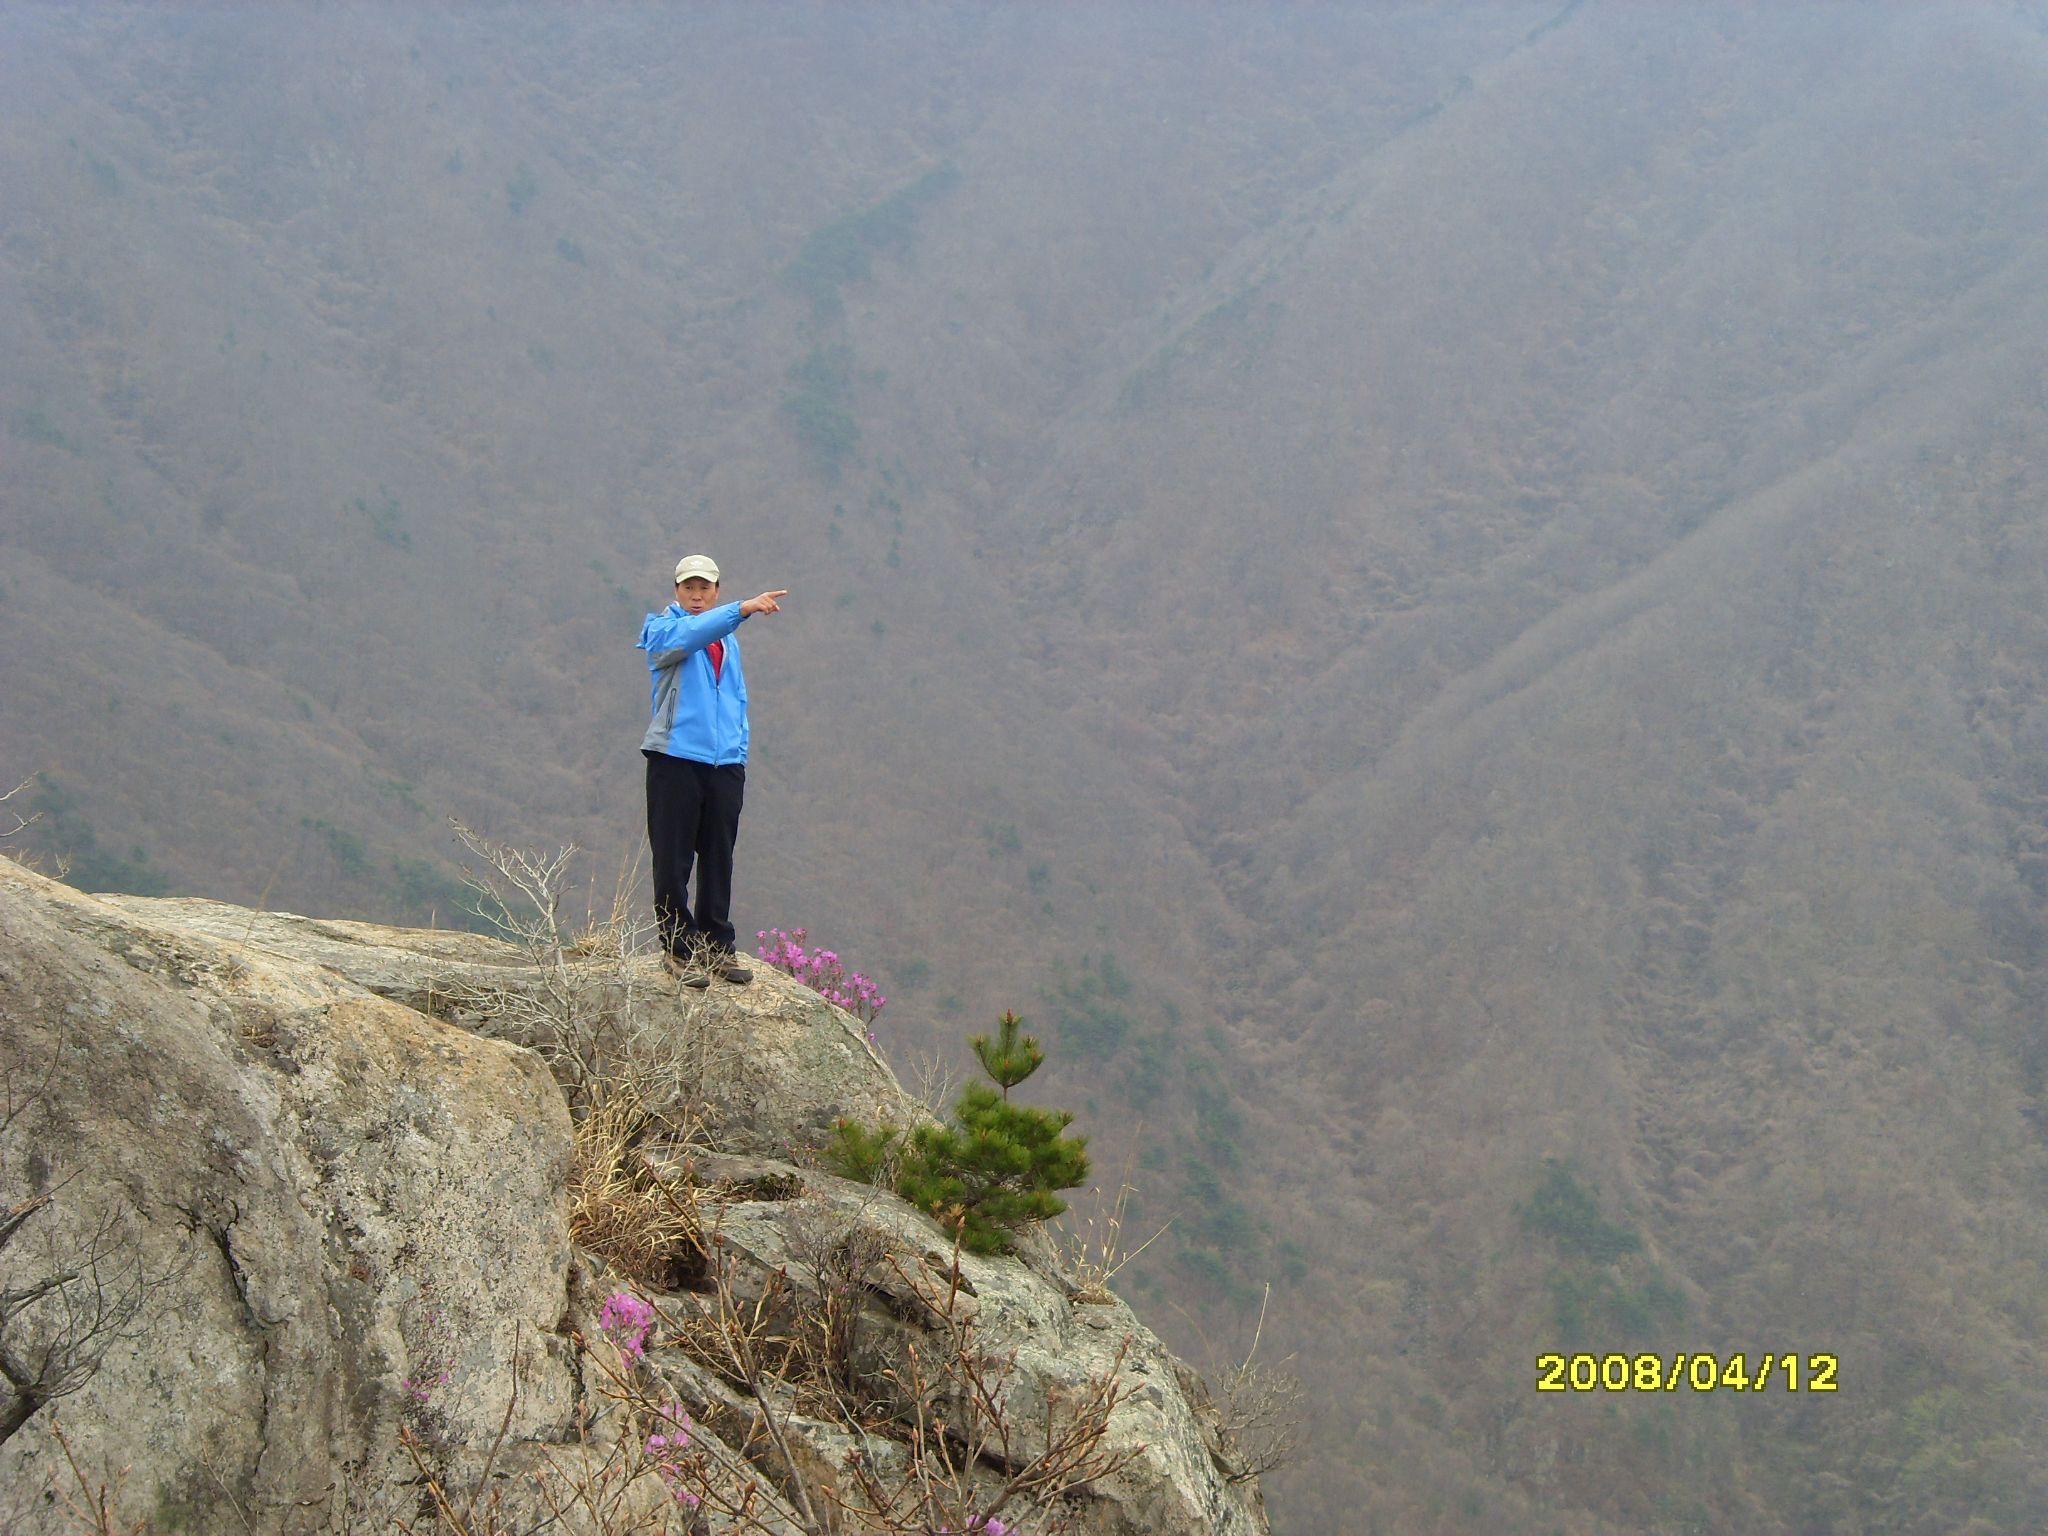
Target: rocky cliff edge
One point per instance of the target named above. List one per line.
(314, 1205)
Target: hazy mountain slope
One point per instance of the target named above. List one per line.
(1583, 727)
(1488, 555)
(380, 416)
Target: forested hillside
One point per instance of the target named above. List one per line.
(1449, 598)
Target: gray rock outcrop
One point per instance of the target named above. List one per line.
(330, 1215)
(327, 1210)
(1026, 1312)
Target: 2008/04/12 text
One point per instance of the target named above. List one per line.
(1701, 1373)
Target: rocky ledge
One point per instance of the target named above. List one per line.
(312, 1181)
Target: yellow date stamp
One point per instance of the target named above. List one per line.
(1682, 1372)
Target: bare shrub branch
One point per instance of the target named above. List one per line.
(63, 1308)
(840, 1255)
(91, 1504)
(972, 1455)
(950, 1437)
(524, 900)
(582, 1003)
(56, 1330)
(1258, 1407)
(937, 1084)
(21, 823)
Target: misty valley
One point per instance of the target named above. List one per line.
(1449, 601)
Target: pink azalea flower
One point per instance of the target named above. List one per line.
(625, 1320)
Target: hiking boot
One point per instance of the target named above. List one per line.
(727, 967)
(686, 969)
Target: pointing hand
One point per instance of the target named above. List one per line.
(765, 603)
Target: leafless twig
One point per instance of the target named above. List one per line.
(89, 1505)
(21, 823)
(1258, 1407)
(525, 900)
(56, 1329)
(936, 1081)
(62, 1310)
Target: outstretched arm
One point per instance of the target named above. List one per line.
(666, 635)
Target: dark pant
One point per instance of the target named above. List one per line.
(693, 815)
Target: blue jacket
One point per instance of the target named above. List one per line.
(696, 715)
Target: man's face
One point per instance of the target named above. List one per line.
(697, 594)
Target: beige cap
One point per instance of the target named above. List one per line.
(697, 565)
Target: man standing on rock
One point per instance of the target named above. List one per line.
(696, 750)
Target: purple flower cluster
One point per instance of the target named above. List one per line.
(625, 1321)
(663, 1447)
(822, 971)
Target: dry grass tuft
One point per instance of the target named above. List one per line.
(621, 1209)
(1094, 1243)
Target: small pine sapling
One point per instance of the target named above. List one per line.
(998, 1165)
(1009, 1058)
(858, 1153)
